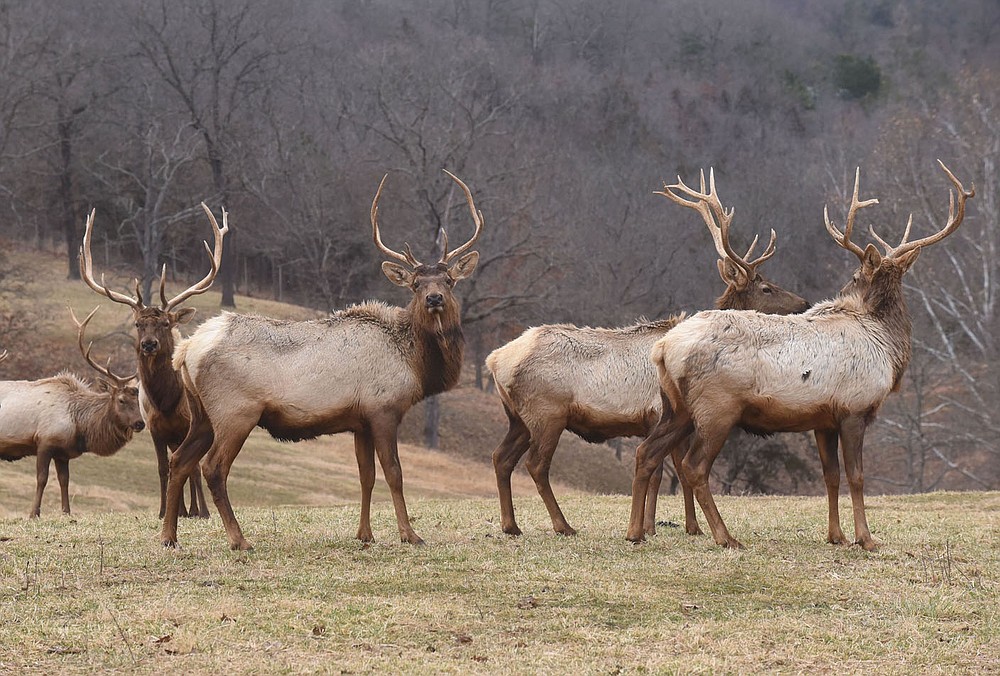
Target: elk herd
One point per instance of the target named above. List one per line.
(764, 361)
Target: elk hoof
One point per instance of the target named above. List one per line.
(733, 544)
(241, 546)
(869, 545)
(566, 530)
(170, 544)
(696, 530)
(636, 539)
(513, 530)
(415, 540)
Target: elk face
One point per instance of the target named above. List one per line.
(154, 328)
(759, 294)
(432, 284)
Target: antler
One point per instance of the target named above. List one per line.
(844, 238)
(81, 328)
(215, 256)
(87, 268)
(718, 219)
(477, 218)
(407, 255)
(954, 220)
(87, 271)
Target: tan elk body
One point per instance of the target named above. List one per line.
(161, 393)
(829, 370)
(60, 418)
(357, 371)
(598, 382)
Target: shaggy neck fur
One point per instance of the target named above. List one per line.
(885, 303)
(97, 430)
(438, 346)
(159, 380)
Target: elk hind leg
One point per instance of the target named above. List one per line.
(648, 458)
(677, 454)
(540, 451)
(505, 459)
(42, 460)
(199, 506)
(199, 440)
(364, 450)
(697, 466)
(215, 467)
(826, 443)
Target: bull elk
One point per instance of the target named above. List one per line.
(357, 371)
(161, 395)
(60, 418)
(599, 383)
(827, 370)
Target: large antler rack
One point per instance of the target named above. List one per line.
(407, 255)
(844, 238)
(718, 220)
(81, 329)
(136, 302)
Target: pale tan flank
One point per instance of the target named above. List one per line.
(827, 370)
(161, 395)
(61, 418)
(357, 371)
(599, 383)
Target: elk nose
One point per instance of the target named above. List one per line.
(150, 345)
(435, 300)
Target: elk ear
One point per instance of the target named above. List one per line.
(907, 259)
(397, 274)
(870, 260)
(184, 315)
(465, 265)
(731, 274)
(103, 385)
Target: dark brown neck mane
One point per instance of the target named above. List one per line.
(159, 381)
(98, 431)
(438, 346)
(885, 302)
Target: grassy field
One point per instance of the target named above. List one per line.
(97, 592)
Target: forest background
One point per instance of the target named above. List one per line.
(563, 118)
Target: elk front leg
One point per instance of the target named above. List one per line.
(162, 468)
(505, 457)
(652, 494)
(852, 439)
(384, 434)
(199, 506)
(364, 451)
(691, 526)
(41, 478)
(826, 443)
(62, 474)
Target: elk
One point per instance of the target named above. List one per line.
(829, 370)
(60, 418)
(599, 383)
(358, 371)
(161, 395)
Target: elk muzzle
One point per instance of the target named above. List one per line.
(434, 301)
(149, 345)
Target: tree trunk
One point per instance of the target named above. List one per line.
(432, 422)
(70, 231)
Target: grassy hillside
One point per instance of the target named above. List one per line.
(98, 593)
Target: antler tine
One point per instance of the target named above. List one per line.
(768, 251)
(81, 329)
(477, 218)
(955, 217)
(407, 255)
(844, 238)
(87, 269)
(215, 256)
(4, 355)
(700, 205)
(163, 286)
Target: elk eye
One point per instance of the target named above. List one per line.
(766, 289)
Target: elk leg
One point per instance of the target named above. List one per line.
(364, 450)
(62, 474)
(216, 468)
(697, 466)
(852, 439)
(196, 444)
(677, 454)
(199, 506)
(826, 442)
(41, 478)
(650, 454)
(540, 451)
(384, 434)
(162, 467)
(652, 493)
(505, 457)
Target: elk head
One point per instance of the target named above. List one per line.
(123, 396)
(879, 272)
(746, 288)
(431, 284)
(154, 325)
